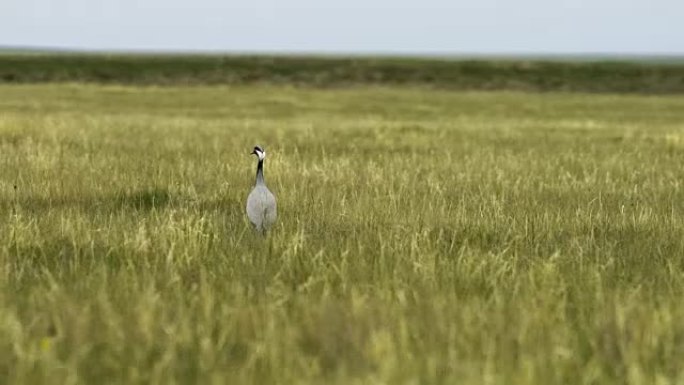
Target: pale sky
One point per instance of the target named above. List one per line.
(351, 26)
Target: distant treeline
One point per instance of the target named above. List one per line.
(527, 75)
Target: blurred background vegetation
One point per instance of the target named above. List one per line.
(658, 75)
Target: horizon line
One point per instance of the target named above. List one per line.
(336, 53)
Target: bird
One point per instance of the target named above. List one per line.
(261, 204)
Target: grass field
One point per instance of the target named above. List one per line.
(424, 237)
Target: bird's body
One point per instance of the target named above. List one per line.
(261, 204)
(261, 208)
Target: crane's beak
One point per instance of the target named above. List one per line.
(253, 153)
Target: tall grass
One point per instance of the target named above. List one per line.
(423, 237)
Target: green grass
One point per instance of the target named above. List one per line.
(424, 237)
(598, 75)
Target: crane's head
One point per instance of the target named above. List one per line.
(258, 151)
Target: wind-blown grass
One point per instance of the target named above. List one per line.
(423, 236)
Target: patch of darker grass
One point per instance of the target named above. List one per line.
(144, 199)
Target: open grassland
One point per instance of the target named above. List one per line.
(424, 237)
(617, 75)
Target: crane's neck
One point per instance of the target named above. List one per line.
(260, 173)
